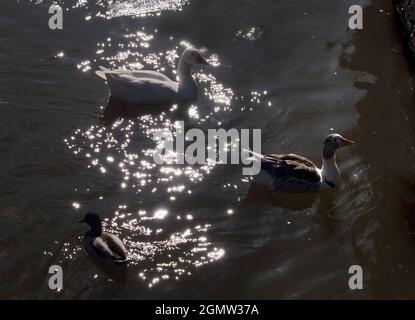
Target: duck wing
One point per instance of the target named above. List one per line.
(291, 172)
(149, 74)
(98, 247)
(142, 91)
(141, 74)
(116, 245)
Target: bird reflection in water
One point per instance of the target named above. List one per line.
(293, 201)
(319, 204)
(117, 109)
(118, 273)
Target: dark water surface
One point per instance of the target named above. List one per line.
(290, 68)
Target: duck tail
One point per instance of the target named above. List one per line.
(102, 72)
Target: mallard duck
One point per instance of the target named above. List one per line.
(146, 87)
(294, 173)
(100, 244)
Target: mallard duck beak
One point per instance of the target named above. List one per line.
(81, 220)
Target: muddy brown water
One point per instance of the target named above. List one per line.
(290, 68)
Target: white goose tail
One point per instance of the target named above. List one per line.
(102, 72)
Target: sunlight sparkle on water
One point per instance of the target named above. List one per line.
(161, 246)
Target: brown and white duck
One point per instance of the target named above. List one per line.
(294, 173)
(102, 245)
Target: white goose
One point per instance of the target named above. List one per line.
(146, 87)
(293, 173)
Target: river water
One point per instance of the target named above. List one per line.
(290, 68)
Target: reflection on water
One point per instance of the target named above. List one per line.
(118, 8)
(158, 252)
(250, 33)
(296, 81)
(134, 51)
(142, 7)
(123, 152)
(162, 244)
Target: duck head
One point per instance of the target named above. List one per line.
(192, 56)
(332, 142)
(94, 221)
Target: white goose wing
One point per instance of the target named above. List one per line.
(140, 74)
(291, 173)
(142, 91)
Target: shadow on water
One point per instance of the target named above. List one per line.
(324, 203)
(117, 273)
(292, 201)
(385, 132)
(117, 109)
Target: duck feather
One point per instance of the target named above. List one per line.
(291, 172)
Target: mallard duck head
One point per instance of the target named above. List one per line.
(94, 221)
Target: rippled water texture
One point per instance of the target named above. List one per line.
(118, 8)
(289, 68)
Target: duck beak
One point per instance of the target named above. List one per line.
(201, 60)
(346, 142)
(81, 220)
